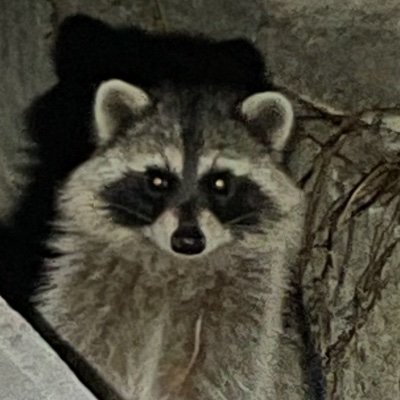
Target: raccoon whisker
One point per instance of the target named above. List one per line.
(249, 228)
(166, 161)
(129, 211)
(214, 161)
(242, 217)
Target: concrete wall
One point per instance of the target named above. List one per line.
(29, 369)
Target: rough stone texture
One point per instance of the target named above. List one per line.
(339, 62)
(143, 13)
(222, 19)
(343, 54)
(25, 31)
(29, 369)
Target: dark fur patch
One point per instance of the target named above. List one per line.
(241, 203)
(192, 136)
(133, 202)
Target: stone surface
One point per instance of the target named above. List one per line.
(143, 13)
(343, 54)
(25, 71)
(222, 19)
(29, 369)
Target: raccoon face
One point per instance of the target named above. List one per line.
(188, 172)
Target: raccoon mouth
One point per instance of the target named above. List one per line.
(188, 240)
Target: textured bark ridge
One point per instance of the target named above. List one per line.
(351, 252)
(339, 63)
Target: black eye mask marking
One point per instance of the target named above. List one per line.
(236, 200)
(138, 199)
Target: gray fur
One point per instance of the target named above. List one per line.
(136, 311)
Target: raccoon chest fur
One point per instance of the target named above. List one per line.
(148, 331)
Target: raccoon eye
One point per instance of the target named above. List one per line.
(220, 184)
(159, 181)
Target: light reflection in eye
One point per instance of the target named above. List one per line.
(159, 182)
(219, 184)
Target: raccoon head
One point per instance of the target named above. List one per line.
(187, 171)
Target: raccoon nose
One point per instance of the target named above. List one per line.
(188, 239)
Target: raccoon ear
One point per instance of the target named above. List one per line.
(117, 104)
(270, 117)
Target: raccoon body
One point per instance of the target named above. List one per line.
(175, 242)
(59, 122)
(175, 232)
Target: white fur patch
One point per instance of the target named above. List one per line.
(276, 184)
(160, 232)
(216, 235)
(175, 159)
(215, 160)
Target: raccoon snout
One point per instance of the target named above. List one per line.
(188, 239)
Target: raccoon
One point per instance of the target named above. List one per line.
(160, 218)
(87, 52)
(176, 243)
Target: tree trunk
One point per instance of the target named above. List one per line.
(339, 63)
